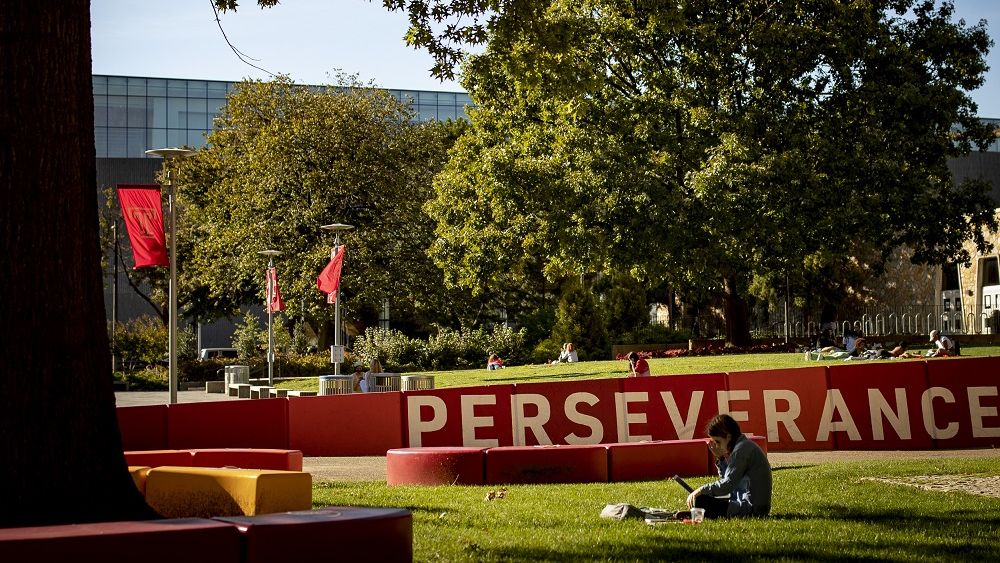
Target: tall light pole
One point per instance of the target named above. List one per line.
(336, 228)
(270, 313)
(167, 154)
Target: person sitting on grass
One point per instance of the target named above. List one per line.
(638, 367)
(745, 474)
(495, 362)
(943, 346)
(567, 355)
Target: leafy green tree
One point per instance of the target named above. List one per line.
(706, 143)
(624, 306)
(287, 159)
(247, 337)
(579, 320)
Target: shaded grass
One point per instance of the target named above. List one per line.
(613, 368)
(821, 513)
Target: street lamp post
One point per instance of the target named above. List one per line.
(270, 314)
(336, 228)
(167, 154)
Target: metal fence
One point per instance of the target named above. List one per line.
(873, 321)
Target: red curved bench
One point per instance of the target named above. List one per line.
(435, 466)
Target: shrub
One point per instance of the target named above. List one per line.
(546, 351)
(457, 348)
(393, 348)
(140, 343)
(506, 343)
(154, 378)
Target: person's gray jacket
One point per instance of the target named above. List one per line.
(746, 477)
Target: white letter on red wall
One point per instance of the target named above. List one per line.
(835, 403)
(879, 409)
(470, 421)
(772, 416)
(417, 426)
(596, 428)
(977, 412)
(626, 418)
(684, 427)
(927, 407)
(536, 423)
(724, 399)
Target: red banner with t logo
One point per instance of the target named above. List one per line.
(143, 215)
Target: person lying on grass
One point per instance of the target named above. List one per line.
(744, 470)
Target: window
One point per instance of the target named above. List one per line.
(117, 111)
(136, 111)
(949, 277)
(136, 86)
(991, 271)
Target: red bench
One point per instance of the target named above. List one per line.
(547, 464)
(245, 458)
(647, 461)
(192, 540)
(435, 466)
(337, 533)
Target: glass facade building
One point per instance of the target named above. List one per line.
(134, 114)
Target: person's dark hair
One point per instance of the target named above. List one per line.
(723, 425)
(633, 357)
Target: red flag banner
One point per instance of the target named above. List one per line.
(143, 215)
(329, 279)
(273, 304)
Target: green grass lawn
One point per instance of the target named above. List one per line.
(612, 368)
(826, 512)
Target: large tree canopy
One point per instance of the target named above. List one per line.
(285, 160)
(708, 142)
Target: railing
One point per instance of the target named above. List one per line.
(873, 321)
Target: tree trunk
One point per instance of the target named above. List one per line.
(737, 323)
(59, 438)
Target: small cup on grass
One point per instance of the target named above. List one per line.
(697, 515)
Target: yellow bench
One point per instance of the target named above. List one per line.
(138, 473)
(190, 492)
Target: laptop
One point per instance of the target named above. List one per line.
(683, 483)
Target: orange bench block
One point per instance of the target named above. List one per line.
(139, 476)
(334, 533)
(204, 492)
(435, 466)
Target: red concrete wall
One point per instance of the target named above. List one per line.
(675, 407)
(228, 424)
(356, 424)
(905, 404)
(877, 405)
(966, 405)
(465, 416)
(565, 412)
(143, 428)
(785, 405)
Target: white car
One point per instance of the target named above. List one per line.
(216, 353)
